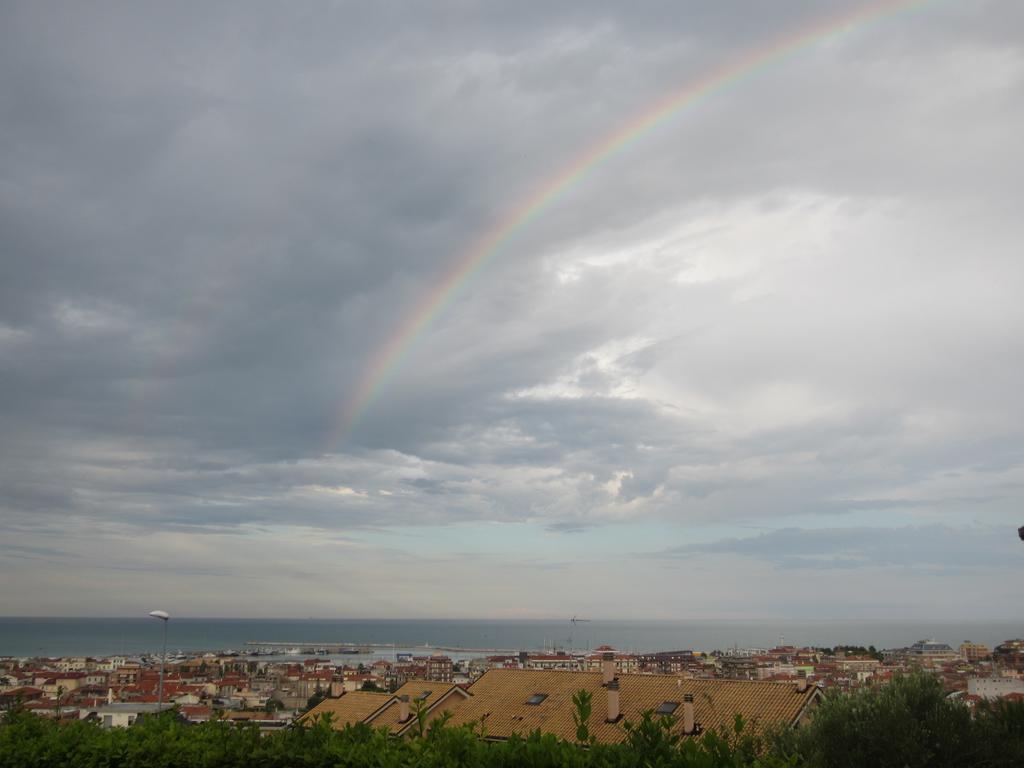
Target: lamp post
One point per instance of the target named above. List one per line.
(164, 617)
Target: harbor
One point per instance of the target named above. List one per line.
(364, 649)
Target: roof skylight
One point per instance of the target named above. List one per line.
(667, 708)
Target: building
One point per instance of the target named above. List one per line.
(669, 662)
(507, 702)
(504, 702)
(399, 714)
(125, 674)
(64, 681)
(119, 714)
(21, 695)
(929, 652)
(625, 663)
(738, 667)
(348, 709)
(265, 722)
(994, 687)
(394, 711)
(974, 651)
(559, 660)
(861, 667)
(1009, 655)
(439, 668)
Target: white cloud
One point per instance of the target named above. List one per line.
(795, 303)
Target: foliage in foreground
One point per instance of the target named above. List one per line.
(907, 723)
(165, 742)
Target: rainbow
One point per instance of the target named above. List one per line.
(388, 358)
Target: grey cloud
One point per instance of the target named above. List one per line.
(905, 547)
(568, 527)
(796, 299)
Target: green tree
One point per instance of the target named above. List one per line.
(273, 705)
(583, 707)
(862, 729)
(57, 702)
(1000, 733)
(315, 699)
(908, 723)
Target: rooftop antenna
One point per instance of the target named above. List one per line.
(572, 626)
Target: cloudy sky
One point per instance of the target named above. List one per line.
(766, 360)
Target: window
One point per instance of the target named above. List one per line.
(423, 696)
(536, 699)
(667, 707)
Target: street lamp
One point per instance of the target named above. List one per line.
(164, 616)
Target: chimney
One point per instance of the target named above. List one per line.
(110, 695)
(403, 708)
(607, 667)
(801, 681)
(689, 724)
(613, 700)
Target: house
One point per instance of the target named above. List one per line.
(354, 707)
(22, 695)
(196, 713)
(354, 682)
(264, 721)
(120, 714)
(64, 681)
(396, 711)
(519, 701)
(430, 696)
(507, 702)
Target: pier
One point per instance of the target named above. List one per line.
(365, 648)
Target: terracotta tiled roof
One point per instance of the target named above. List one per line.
(353, 707)
(499, 698)
(414, 689)
(24, 691)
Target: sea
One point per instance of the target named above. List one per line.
(369, 639)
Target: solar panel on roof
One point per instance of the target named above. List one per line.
(423, 696)
(536, 699)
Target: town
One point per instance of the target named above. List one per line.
(273, 692)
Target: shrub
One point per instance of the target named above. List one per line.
(908, 723)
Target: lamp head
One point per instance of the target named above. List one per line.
(163, 615)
